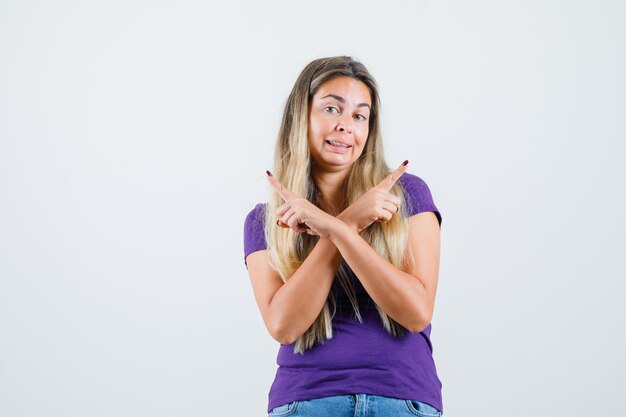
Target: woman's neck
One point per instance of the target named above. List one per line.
(331, 189)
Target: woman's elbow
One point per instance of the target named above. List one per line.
(281, 334)
(418, 327)
(283, 338)
(421, 323)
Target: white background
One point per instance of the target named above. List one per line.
(134, 137)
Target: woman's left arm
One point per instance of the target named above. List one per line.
(407, 297)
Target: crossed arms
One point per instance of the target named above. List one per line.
(288, 309)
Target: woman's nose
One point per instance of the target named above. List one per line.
(343, 125)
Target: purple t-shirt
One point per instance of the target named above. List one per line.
(360, 357)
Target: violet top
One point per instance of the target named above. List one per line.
(360, 357)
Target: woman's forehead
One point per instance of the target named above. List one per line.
(346, 88)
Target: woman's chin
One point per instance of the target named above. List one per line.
(333, 164)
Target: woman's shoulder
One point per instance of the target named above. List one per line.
(411, 180)
(253, 230)
(257, 210)
(417, 195)
(255, 219)
(415, 187)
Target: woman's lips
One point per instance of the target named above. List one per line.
(337, 149)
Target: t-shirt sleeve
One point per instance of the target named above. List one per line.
(418, 197)
(253, 231)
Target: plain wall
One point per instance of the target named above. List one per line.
(134, 137)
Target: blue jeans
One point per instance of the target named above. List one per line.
(355, 405)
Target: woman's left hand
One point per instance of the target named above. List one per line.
(376, 205)
(300, 215)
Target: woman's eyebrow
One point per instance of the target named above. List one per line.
(341, 100)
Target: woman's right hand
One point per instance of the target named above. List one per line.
(378, 204)
(300, 215)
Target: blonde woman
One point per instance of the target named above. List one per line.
(344, 258)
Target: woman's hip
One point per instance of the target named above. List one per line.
(355, 405)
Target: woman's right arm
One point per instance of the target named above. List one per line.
(289, 309)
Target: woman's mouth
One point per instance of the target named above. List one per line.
(337, 146)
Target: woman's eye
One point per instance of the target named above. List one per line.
(331, 109)
(360, 117)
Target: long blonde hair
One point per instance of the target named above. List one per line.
(292, 167)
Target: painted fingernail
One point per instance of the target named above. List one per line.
(405, 162)
(269, 173)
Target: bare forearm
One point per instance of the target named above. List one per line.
(297, 304)
(397, 293)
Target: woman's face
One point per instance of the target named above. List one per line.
(339, 123)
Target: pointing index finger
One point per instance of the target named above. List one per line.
(391, 179)
(281, 189)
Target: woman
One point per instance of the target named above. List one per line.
(344, 258)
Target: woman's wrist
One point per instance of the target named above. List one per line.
(344, 219)
(340, 229)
